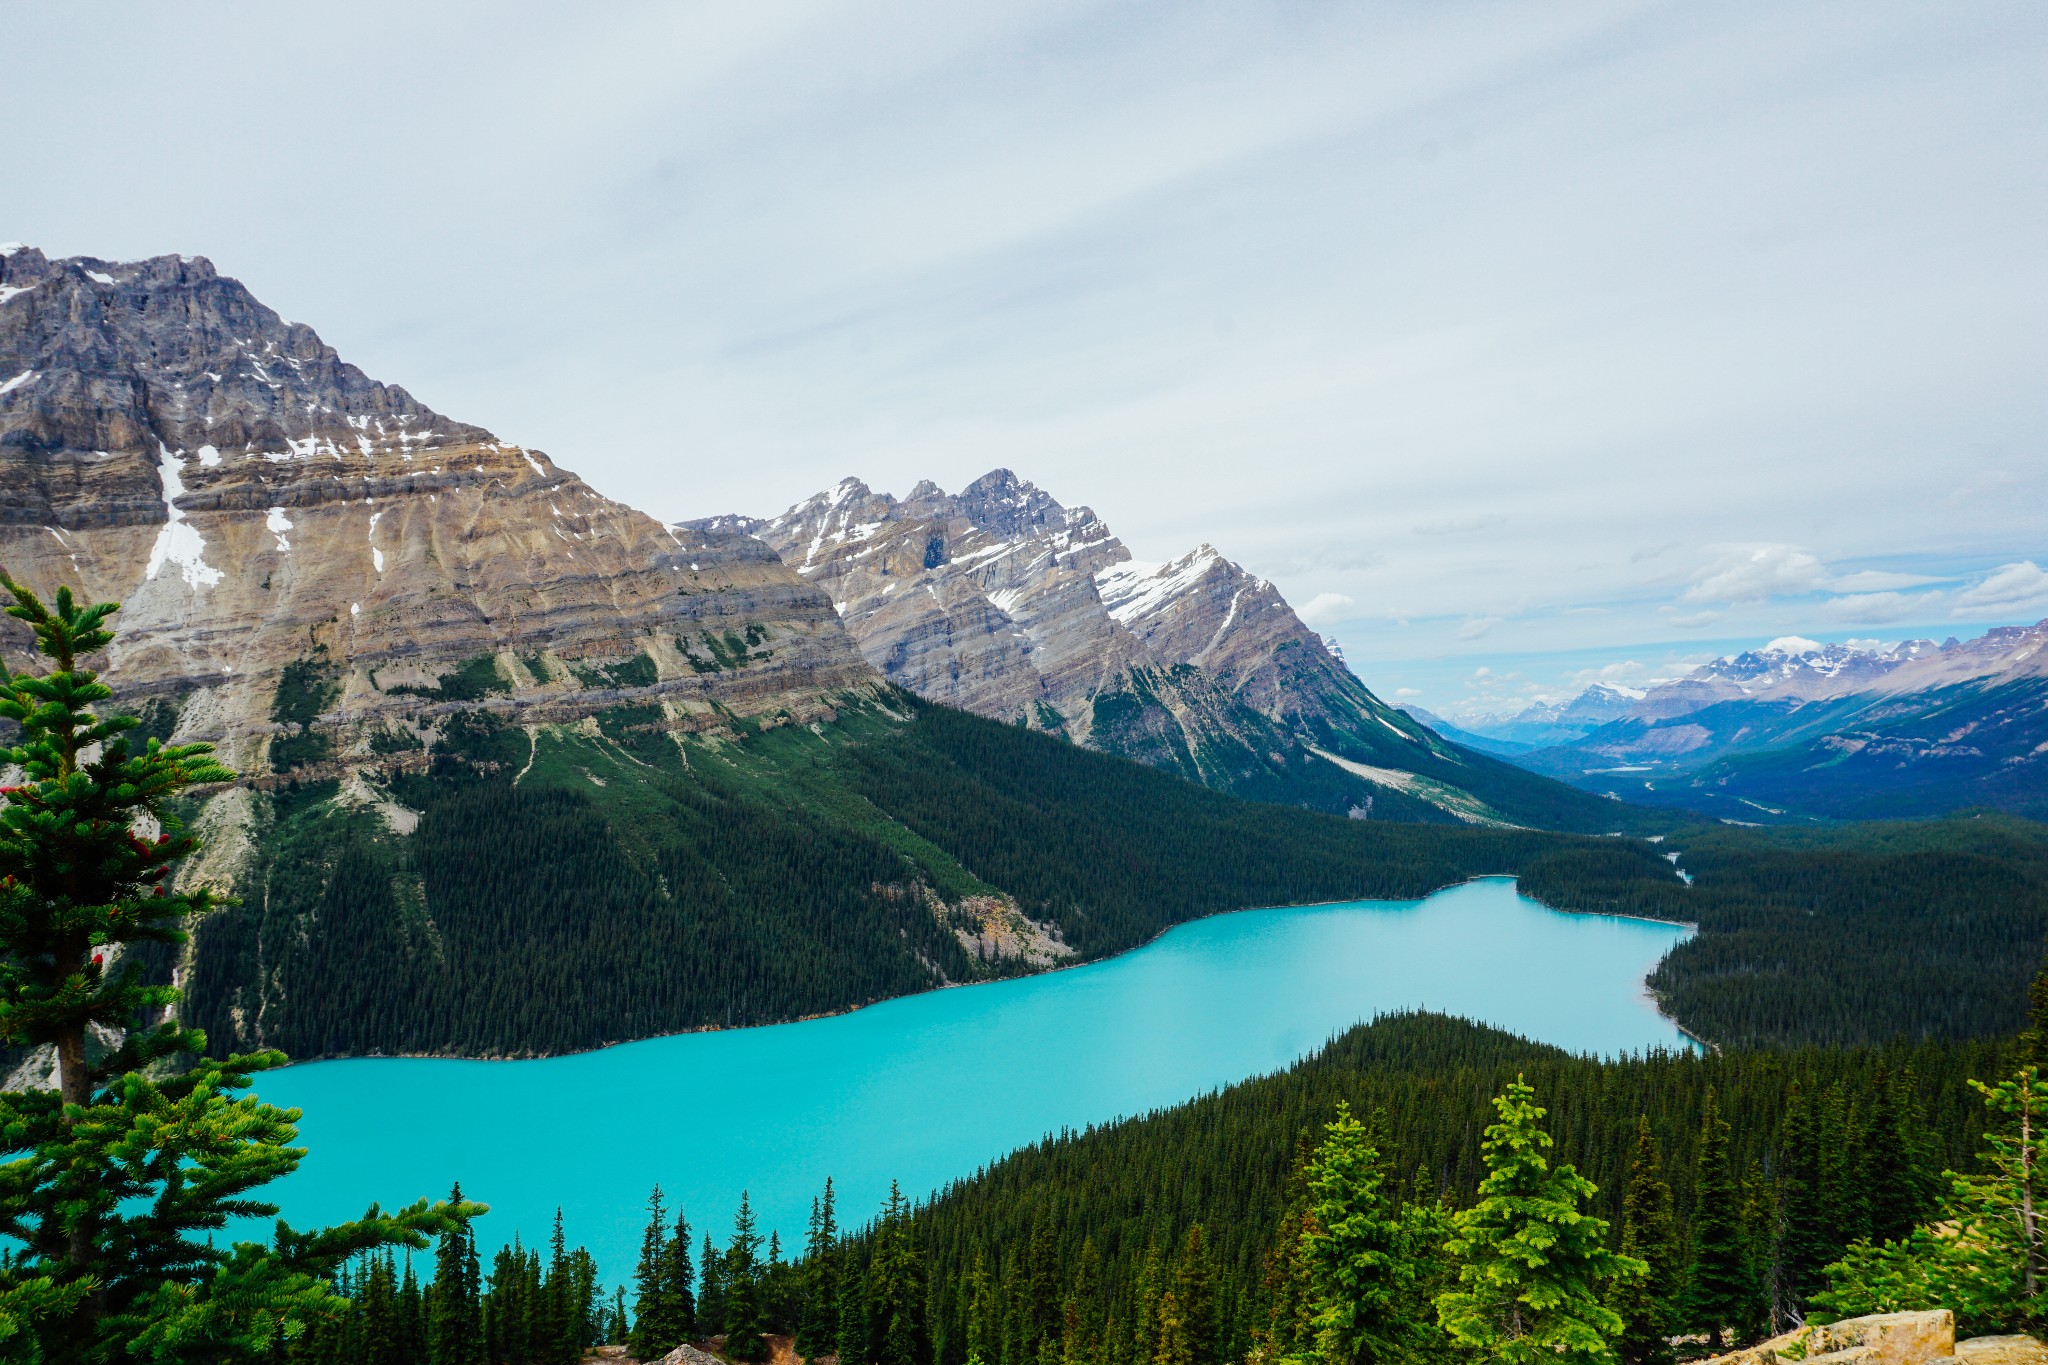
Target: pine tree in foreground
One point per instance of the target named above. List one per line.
(121, 1179)
(1532, 1268)
(896, 1289)
(1362, 1264)
(818, 1323)
(1801, 1249)
(1721, 1296)
(1649, 1233)
(1985, 1257)
(744, 1321)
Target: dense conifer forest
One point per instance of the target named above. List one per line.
(1122, 1198)
(563, 890)
(1176, 1237)
(1362, 1205)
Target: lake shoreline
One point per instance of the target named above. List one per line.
(1690, 926)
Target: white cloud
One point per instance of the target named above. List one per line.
(1880, 608)
(1694, 620)
(2021, 587)
(1876, 580)
(1478, 625)
(1301, 281)
(1752, 573)
(1407, 692)
(1325, 606)
(1609, 672)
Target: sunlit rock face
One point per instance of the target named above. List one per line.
(1001, 600)
(252, 500)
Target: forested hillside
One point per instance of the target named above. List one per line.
(563, 888)
(519, 890)
(1849, 934)
(1098, 1221)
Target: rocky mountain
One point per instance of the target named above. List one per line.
(1795, 727)
(266, 511)
(524, 771)
(1000, 600)
(1547, 723)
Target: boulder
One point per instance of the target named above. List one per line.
(1880, 1339)
(2001, 1351)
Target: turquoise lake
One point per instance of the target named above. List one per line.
(930, 1087)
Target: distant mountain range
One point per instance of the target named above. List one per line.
(1799, 729)
(1001, 600)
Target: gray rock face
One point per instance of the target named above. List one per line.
(168, 442)
(1002, 601)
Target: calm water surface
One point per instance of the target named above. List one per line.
(928, 1088)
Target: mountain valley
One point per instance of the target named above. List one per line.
(1798, 730)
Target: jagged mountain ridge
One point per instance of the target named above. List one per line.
(1001, 600)
(1797, 728)
(169, 442)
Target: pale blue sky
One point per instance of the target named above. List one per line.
(1583, 328)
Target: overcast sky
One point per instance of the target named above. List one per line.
(1566, 336)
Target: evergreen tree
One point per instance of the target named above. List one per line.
(856, 1328)
(1175, 1342)
(742, 1281)
(818, 1325)
(1041, 1300)
(1845, 1207)
(381, 1341)
(118, 1180)
(896, 1288)
(1986, 1256)
(657, 1328)
(983, 1320)
(1720, 1295)
(1802, 1247)
(1286, 1276)
(1145, 1315)
(454, 1302)
(1649, 1233)
(678, 1280)
(1196, 1288)
(711, 1288)
(1082, 1314)
(1362, 1270)
(412, 1315)
(1895, 1181)
(1532, 1267)
(617, 1330)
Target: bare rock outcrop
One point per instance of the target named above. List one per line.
(2009, 1350)
(256, 503)
(1001, 600)
(1878, 1339)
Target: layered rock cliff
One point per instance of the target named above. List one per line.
(257, 504)
(1001, 600)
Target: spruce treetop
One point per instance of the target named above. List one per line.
(1532, 1267)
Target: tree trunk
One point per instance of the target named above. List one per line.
(74, 1081)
